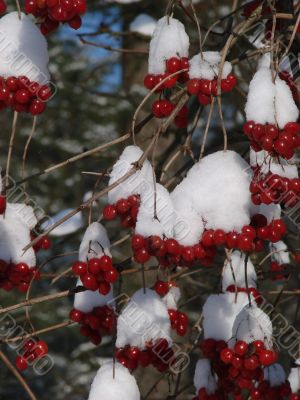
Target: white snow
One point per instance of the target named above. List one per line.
(261, 95)
(262, 159)
(283, 256)
(143, 24)
(145, 318)
(285, 107)
(87, 300)
(268, 102)
(217, 190)
(169, 40)
(23, 50)
(234, 272)
(252, 324)
(204, 377)
(172, 297)
(271, 211)
(72, 225)
(95, 243)
(220, 312)
(114, 383)
(15, 227)
(140, 182)
(275, 375)
(207, 66)
(294, 379)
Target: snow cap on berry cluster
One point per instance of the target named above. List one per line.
(204, 378)
(268, 102)
(275, 375)
(294, 377)
(169, 40)
(251, 324)
(172, 297)
(280, 253)
(220, 312)
(144, 319)
(15, 229)
(87, 300)
(114, 382)
(234, 272)
(207, 66)
(278, 166)
(156, 213)
(215, 191)
(140, 181)
(24, 50)
(95, 243)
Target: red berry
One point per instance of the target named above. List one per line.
(21, 363)
(174, 65)
(89, 281)
(240, 348)
(122, 206)
(161, 288)
(193, 86)
(111, 276)
(79, 268)
(150, 81)
(105, 263)
(141, 256)
(267, 357)
(110, 212)
(226, 355)
(138, 242)
(76, 315)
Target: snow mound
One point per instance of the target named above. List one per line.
(143, 24)
(234, 272)
(220, 312)
(204, 378)
(216, 191)
(169, 40)
(144, 319)
(283, 256)
(87, 300)
(207, 66)
(270, 103)
(172, 297)
(15, 229)
(24, 49)
(106, 386)
(140, 182)
(267, 164)
(72, 225)
(95, 243)
(294, 379)
(275, 375)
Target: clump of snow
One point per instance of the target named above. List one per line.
(172, 297)
(144, 319)
(282, 256)
(220, 312)
(72, 225)
(268, 102)
(140, 182)
(266, 163)
(271, 211)
(15, 227)
(169, 40)
(252, 324)
(143, 24)
(234, 272)
(217, 190)
(114, 383)
(95, 243)
(87, 300)
(204, 377)
(294, 378)
(24, 49)
(207, 66)
(275, 375)
(156, 212)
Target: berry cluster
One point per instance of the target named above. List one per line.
(179, 321)
(270, 138)
(294, 396)
(205, 89)
(253, 291)
(203, 395)
(100, 322)
(96, 274)
(241, 368)
(272, 188)
(173, 65)
(126, 209)
(164, 108)
(17, 275)
(53, 12)
(278, 271)
(23, 95)
(264, 391)
(43, 244)
(31, 351)
(157, 354)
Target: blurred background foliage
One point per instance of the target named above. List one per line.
(98, 91)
